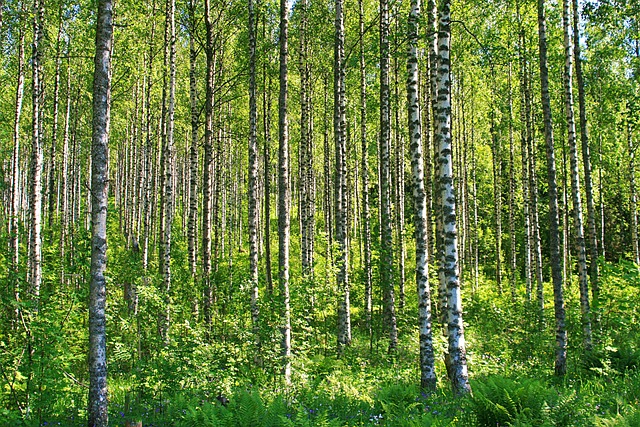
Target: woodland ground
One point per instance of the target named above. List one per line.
(510, 361)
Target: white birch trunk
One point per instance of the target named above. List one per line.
(427, 361)
(457, 357)
(97, 411)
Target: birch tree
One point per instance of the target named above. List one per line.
(14, 232)
(575, 183)
(253, 172)
(97, 411)
(340, 186)
(35, 195)
(457, 355)
(167, 200)
(427, 371)
(554, 235)
(386, 235)
(284, 192)
(366, 215)
(586, 156)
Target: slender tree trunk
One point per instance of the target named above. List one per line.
(284, 193)
(427, 361)
(64, 179)
(533, 198)
(497, 195)
(586, 158)
(340, 186)
(434, 60)
(148, 150)
(266, 107)
(169, 149)
(366, 215)
(398, 170)
(51, 178)
(307, 196)
(575, 185)
(633, 195)
(14, 215)
(97, 411)
(253, 177)
(512, 194)
(474, 189)
(524, 148)
(193, 150)
(554, 244)
(207, 170)
(457, 356)
(564, 214)
(601, 193)
(386, 241)
(35, 204)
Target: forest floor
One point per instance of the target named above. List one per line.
(510, 359)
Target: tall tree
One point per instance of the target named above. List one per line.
(340, 186)
(51, 177)
(634, 194)
(497, 190)
(14, 232)
(207, 178)
(307, 178)
(586, 157)
(284, 192)
(97, 411)
(386, 236)
(167, 200)
(427, 361)
(366, 215)
(35, 196)
(266, 114)
(457, 356)
(193, 149)
(254, 213)
(575, 182)
(554, 234)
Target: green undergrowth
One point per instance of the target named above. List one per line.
(510, 350)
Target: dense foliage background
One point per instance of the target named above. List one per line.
(177, 381)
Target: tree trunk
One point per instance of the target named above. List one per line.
(533, 198)
(266, 107)
(35, 202)
(457, 356)
(633, 195)
(398, 170)
(512, 195)
(148, 150)
(253, 177)
(51, 178)
(524, 149)
(554, 244)
(586, 158)
(497, 193)
(386, 241)
(284, 194)
(14, 213)
(207, 177)
(366, 215)
(169, 149)
(193, 150)
(427, 369)
(340, 186)
(575, 185)
(97, 411)
(307, 178)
